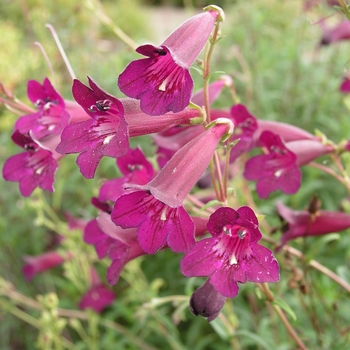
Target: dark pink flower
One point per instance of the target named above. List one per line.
(345, 85)
(162, 81)
(40, 263)
(98, 296)
(156, 209)
(301, 223)
(105, 134)
(170, 141)
(339, 32)
(245, 127)
(233, 254)
(135, 168)
(308, 150)
(140, 123)
(120, 245)
(248, 130)
(214, 90)
(51, 117)
(33, 168)
(275, 170)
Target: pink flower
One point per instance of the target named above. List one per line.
(279, 167)
(51, 117)
(232, 254)
(301, 223)
(98, 296)
(156, 209)
(339, 32)
(162, 81)
(135, 168)
(248, 130)
(40, 263)
(104, 134)
(33, 168)
(275, 170)
(345, 85)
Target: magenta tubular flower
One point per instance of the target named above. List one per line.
(162, 81)
(76, 112)
(140, 123)
(98, 296)
(308, 150)
(51, 117)
(207, 302)
(172, 140)
(37, 264)
(136, 169)
(339, 32)
(156, 210)
(120, 245)
(248, 130)
(214, 90)
(276, 170)
(287, 131)
(301, 223)
(247, 125)
(34, 168)
(233, 254)
(105, 134)
(345, 85)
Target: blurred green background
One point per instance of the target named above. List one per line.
(271, 49)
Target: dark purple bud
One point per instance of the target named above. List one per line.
(206, 301)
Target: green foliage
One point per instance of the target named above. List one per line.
(280, 72)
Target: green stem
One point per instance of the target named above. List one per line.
(6, 289)
(264, 287)
(97, 8)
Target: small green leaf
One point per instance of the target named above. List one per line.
(258, 340)
(284, 306)
(212, 203)
(220, 329)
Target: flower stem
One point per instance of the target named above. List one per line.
(61, 50)
(313, 263)
(266, 290)
(330, 172)
(6, 289)
(97, 8)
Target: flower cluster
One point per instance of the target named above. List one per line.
(153, 206)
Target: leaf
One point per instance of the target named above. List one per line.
(284, 306)
(220, 329)
(258, 340)
(212, 203)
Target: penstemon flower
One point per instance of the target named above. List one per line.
(275, 170)
(248, 130)
(98, 296)
(279, 168)
(162, 81)
(302, 223)
(135, 168)
(111, 123)
(156, 209)
(33, 168)
(51, 117)
(40, 263)
(104, 134)
(232, 255)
